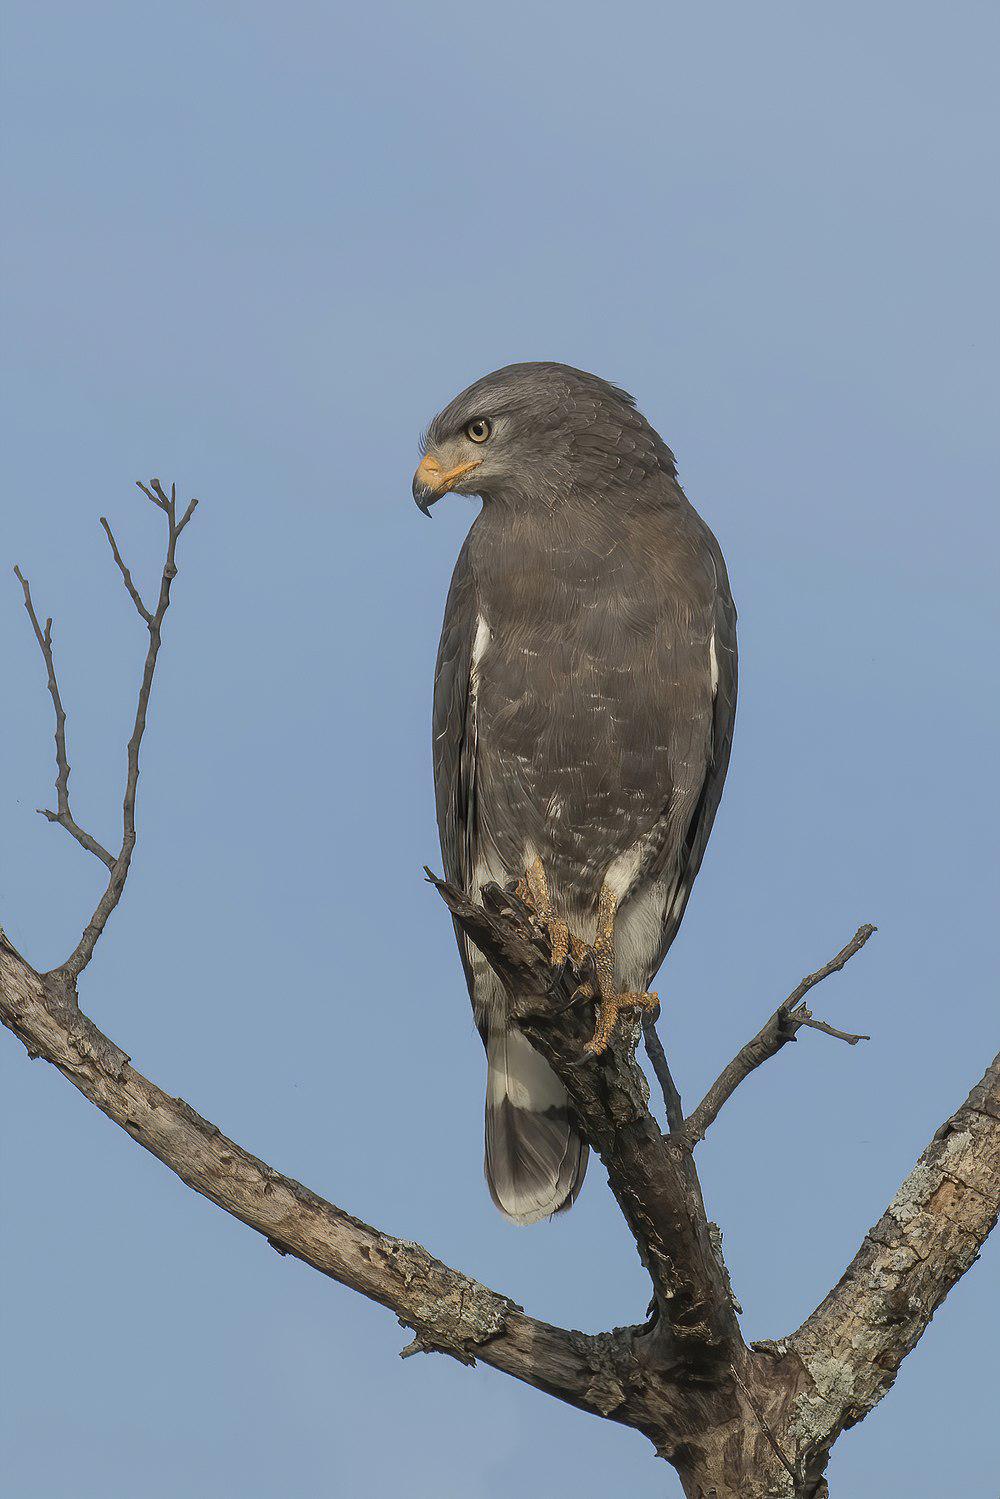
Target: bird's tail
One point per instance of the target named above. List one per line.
(535, 1159)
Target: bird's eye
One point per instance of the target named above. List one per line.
(479, 430)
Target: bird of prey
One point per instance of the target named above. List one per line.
(584, 699)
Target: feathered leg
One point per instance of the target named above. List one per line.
(611, 1002)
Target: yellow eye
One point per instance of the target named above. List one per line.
(479, 430)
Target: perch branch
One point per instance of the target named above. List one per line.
(448, 1311)
(790, 1016)
(651, 1176)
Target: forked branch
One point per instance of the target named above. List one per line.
(789, 1018)
(117, 864)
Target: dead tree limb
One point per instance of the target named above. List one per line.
(929, 1235)
(448, 1311)
(737, 1421)
(118, 864)
(63, 814)
(661, 1069)
(789, 1018)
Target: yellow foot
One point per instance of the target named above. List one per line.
(612, 1003)
(609, 1010)
(578, 951)
(533, 889)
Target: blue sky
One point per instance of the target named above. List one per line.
(252, 249)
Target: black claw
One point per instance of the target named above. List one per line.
(585, 1056)
(580, 993)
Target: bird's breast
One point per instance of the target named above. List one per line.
(571, 755)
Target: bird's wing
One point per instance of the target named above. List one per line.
(454, 731)
(699, 797)
(535, 1158)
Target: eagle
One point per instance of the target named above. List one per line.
(584, 699)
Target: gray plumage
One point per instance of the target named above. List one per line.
(583, 707)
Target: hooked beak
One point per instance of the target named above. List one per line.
(431, 481)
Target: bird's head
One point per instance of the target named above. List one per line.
(532, 431)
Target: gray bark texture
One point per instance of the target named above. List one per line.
(733, 1419)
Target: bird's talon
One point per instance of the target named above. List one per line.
(585, 1056)
(581, 992)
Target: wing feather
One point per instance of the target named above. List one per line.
(454, 732)
(723, 666)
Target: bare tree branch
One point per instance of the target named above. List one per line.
(835, 964)
(448, 1311)
(119, 865)
(63, 815)
(658, 1060)
(790, 1016)
(133, 592)
(928, 1237)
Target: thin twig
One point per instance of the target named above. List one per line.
(781, 1028)
(658, 1057)
(844, 956)
(154, 492)
(63, 815)
(805, 1018)
(84, 950)
(133, 592)
(118, 863)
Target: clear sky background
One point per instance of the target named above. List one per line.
(252, 248)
